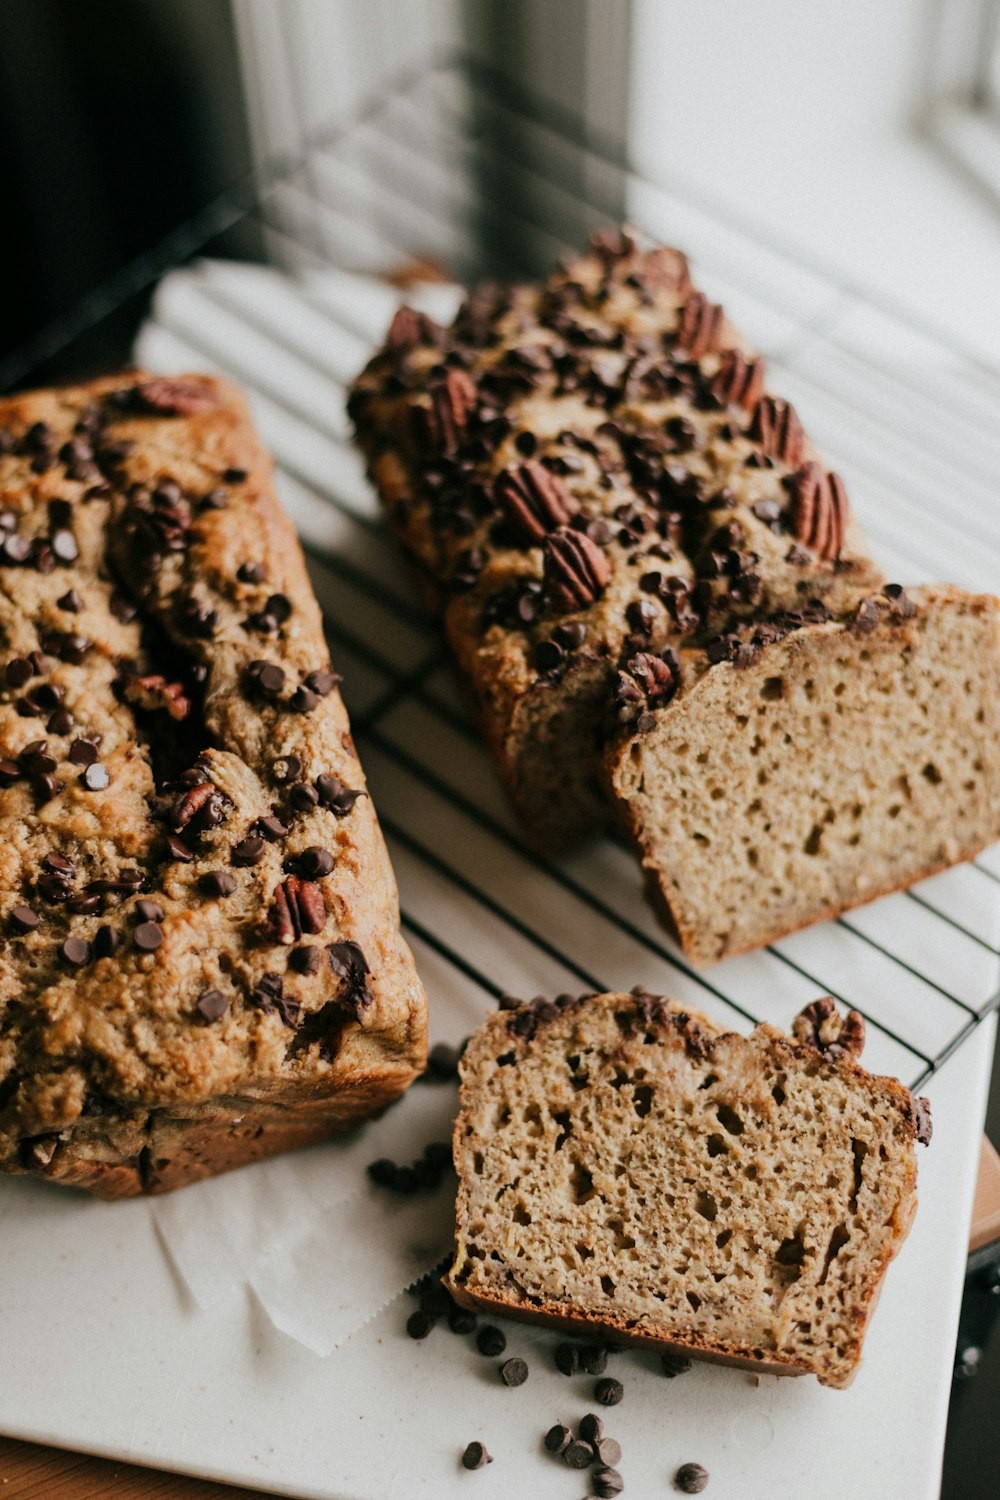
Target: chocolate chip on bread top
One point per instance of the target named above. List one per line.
(607, 504)
(202, 961)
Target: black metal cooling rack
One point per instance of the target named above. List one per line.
(452, 166)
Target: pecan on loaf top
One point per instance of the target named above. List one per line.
(592, 468)
(194, 895)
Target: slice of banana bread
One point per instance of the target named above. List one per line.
(790, 769)
(201, 962)
(628, 1168)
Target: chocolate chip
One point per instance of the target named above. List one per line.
(58, 863)
(593, 1359)
(558, 1438)
(10, 772)
(333, 794)
(578, 1454)
(107, 941)
(607, 1483)
(83, 905)
(287, 769)
(123, 608)
(24, 919)
(591, 1428)
(147, 937)
(609, 1392)
(608, 1452)
(303, 700)
(64, 546)
(212, 1005)
(46, 787)
(217, 883)
(249, 851)
(323, 681)
(315, 862)
(382, 1172)
(513, 1372)
(251, 573)
(305, 960)
(476, 1456)
(491, 1341)
(216, 499)
(674, 1364)
(418, 1326)
(691, 1479)
(234, 475)
(96, 778)
(442, 1061)
(271, 828)
(567, 1356)
(75, 951)
(462, 1320)
(18, 671)
(148, 911)
(267, 677)
(61, 722)
(304, 798)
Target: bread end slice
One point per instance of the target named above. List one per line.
(845, 760)
(627, 1169)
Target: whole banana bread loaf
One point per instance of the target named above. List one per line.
(201, 960)
(629, 1169)
(605, 502)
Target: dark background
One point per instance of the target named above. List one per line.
(120, 119)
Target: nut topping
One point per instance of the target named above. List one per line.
(409, 328)
(776, 427)
(576, 570)
(175, 398)
(298, 907)
(821, 1025)
(700, 327)
(442, 426)
(819, 510)
(534, 501)
(738, 380)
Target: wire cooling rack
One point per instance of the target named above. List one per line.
(450, 167)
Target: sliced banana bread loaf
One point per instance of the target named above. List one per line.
(629, 1169)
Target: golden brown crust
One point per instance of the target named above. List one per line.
(202, 764)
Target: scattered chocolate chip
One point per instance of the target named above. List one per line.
(382, 1172)
(24, 919)
(314, 862)
(513, 1372)
(418, 1326)
(593, 1359)
(609, 1392)
(149, 911)
(674, 1364)
(271, 829)
(567, 1356)
(558, 1438)
(61, 722)
(249, 851)
(267, 677)
(217, 883)
(462, 1320)
(607, 1483)
(107, 941)
(304, 798)
(212, 1005)
(608, 1452)
(323, 681)
(147, 937)
(287, 769)
(691, 1479)
(96, 778)
(46, 787)
(333, 794)
(442, 1062)
(591, 1428)
(476, 1456)
(578, 1454)
(18, 671)
(75, 951)
(491, 1341)
(305, 960)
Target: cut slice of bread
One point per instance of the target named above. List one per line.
(845, 759)
(629, 1169)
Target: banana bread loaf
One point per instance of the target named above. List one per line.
(201, 960)
(629, 1169)
(595, 483)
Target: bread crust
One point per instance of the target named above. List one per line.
(177, 575)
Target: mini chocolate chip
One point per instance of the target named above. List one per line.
(96, 778)
(315, 862)
(217, 883)
(558, 1438)
(24, 919)
(548, 655)
(674, 1364)
(462, 1320)
(607, 1483)
(608, 1451)
(147, 911)
(61, 722)
(476, 1456)
(107, 941)
(303, 700)
(513, 1372)
(578, 1454)
(591, 1427)
(234, 475)
(609, 1392)
(147, 937)
(216, 499)
(249, 851)
(305, 960)
(279, 607)
(491, 1341)
(567, 1356)
(691, 1479)
(593, 1359)
(323, 681)
(212, 1005)
(418, 1324)
(286, 769)
(251, 573)
(18, 671)
(75, 951)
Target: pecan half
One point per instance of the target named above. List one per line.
(443, 425)
(408, 329)
(821, 1025)
(152, 693)
(699, 328)
(297, 907)
(776, 427)
(175, 398)
(576, 570)
(534, 501)
(657, 677)
(738, 381)
(200, 806)
(819, 510)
